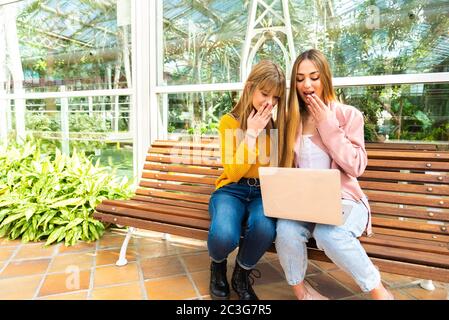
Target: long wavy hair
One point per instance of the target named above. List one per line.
(266, 76)
(289, 119)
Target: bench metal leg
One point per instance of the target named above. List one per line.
(166, 236)
(427, 284)
(122, 259)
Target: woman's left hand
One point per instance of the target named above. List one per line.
(317, 108)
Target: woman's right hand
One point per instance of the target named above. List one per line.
(258, 120)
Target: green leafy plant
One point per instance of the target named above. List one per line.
(53, 197)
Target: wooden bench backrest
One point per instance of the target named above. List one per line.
(408, 193)
(184, 174)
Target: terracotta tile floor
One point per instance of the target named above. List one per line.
(177, 268)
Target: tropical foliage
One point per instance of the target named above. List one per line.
(52, 197)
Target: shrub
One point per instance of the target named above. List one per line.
(53, 197)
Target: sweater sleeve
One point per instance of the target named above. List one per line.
(236, 159)
(346, 144)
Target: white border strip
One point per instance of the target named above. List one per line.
(396, 79)
(429, 78)
(69, 94)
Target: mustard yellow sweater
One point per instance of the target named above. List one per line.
(238, 160)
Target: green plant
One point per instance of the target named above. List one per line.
(53, 197)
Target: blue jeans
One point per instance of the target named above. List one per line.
(339, 243)
(236, 210)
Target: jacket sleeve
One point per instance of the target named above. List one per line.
(236, 159)
(346, 144)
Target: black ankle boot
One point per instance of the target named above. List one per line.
(218, 287)
(242, 283)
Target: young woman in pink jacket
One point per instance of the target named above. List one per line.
(322, 133)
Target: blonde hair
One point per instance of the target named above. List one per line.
(265, 75)
(289, 119)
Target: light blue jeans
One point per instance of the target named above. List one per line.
(339, 243)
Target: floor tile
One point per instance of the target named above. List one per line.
(328, 287)
(65, 283)
(197, 262)
(156, 250)
(396, 279)
(79, 247)
(115, 240)
(399, 294)
(275, 291)
(25, 267)
(161, 267)
(422, 294)
(172, 288)
(325, 266)
(121, 292)
(186, 248)
(110, 256)
(268, 274)
(31, 251)
(271, 256)
(6, 253)
(5, 242)
(81, 261)
(201, 280)
(164, 264)
(346, 280)
(69, 296)
(109, 275)
(19, 288)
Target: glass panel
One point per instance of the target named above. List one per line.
(392, 113)
(203, 40)
(83, 45)
(402, 113)
(97, 126)
(198, 113)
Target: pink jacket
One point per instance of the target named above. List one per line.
(341, 136)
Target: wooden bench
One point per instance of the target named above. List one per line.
(408, 192)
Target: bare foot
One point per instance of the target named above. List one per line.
(381, 293)
(313, 293)
(304, 291)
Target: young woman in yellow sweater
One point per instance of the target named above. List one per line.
(235, 208)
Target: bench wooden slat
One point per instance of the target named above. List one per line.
(425, 156)
(400, 187)
(400, 146)
(179, 203)
(188, 161)
(161, 208)
(378, 196)
(412, 270)
(171, 195)
(393, 266)
(412, 234)
(406, 255)
(178, 177)
(398, 242)
(183, 169)
(156, 216)
(214, 145)
(409, 225)
(184, 152)
(177, 187)
(407, 177)
(409, 212)
(193, 233)
(402, 164)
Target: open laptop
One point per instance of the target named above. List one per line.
(309, 195)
